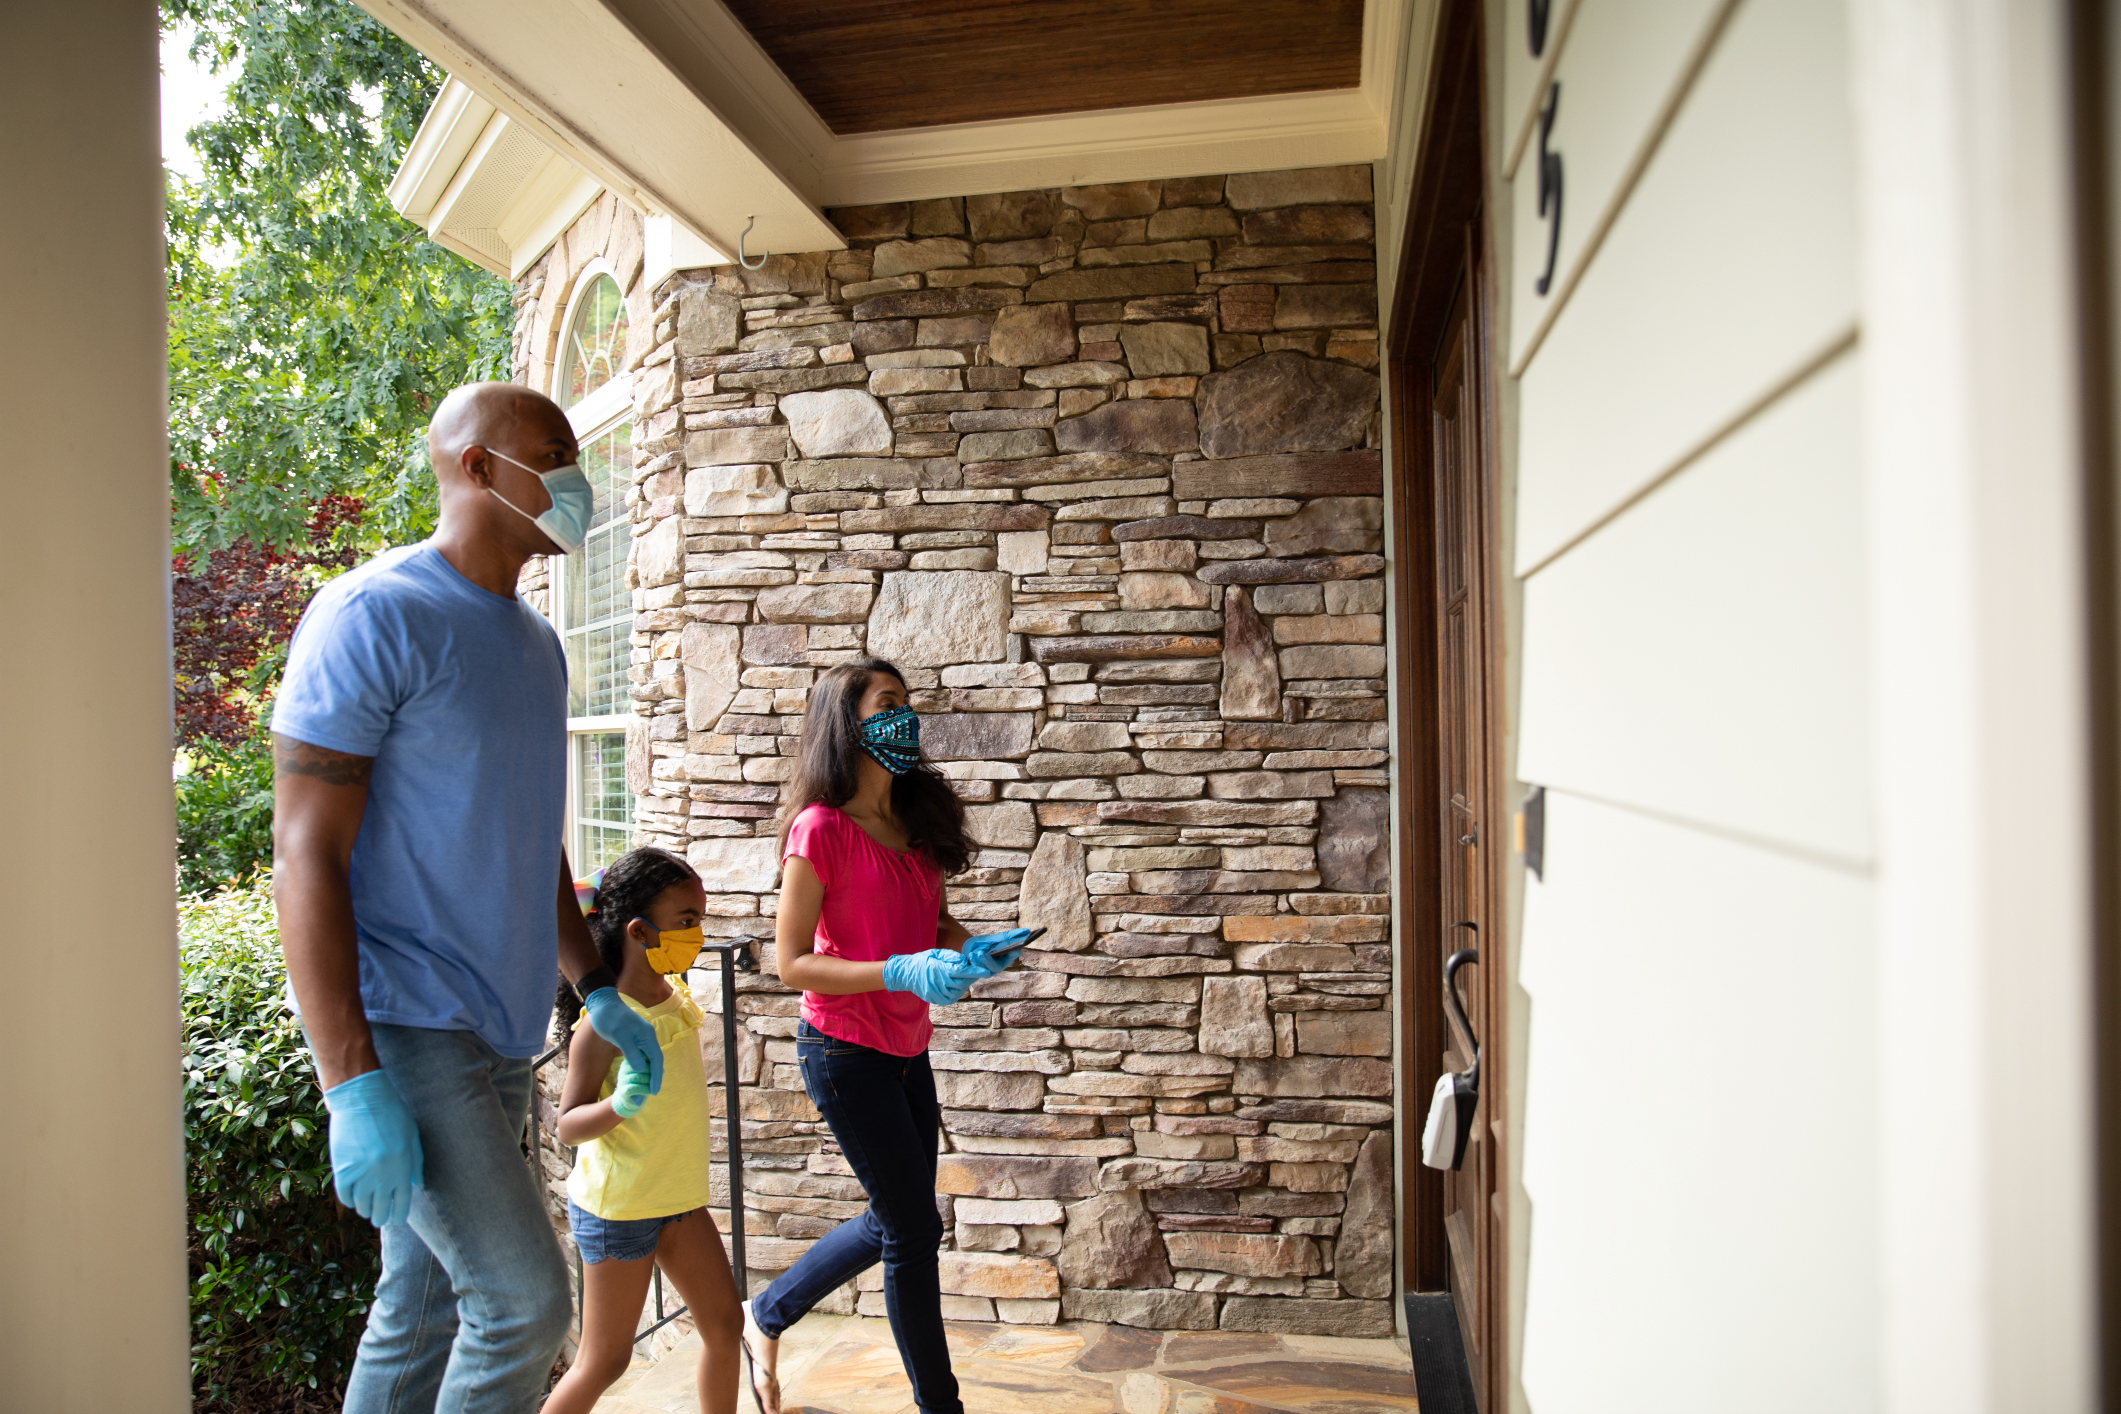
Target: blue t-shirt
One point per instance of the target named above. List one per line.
(460, 695)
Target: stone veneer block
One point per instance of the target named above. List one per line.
(1156, 350)
(1354, 842)
(1329, 524)
(1251, 684)
(1285, 402)
(1233, 1017)
(931, 304)
(1111, 1241)
(1304, 571)
(1028, 335)
(1105, 648)
(1110, 282)
(712, 669)
(1162, 425)
(1056, 894)
(933, 619)
(735, 865)
(837, 422)
(1013, 1176)
(1153, 1310)
(815, 603)
(1256, 191)
(1286, 474)
(976, 736)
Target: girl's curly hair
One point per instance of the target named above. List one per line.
(631, 884)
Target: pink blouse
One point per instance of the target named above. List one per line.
(878, 902)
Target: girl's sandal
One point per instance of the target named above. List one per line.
(765, 1386)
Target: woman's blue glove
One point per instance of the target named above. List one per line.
(632, 1033)
(630, 1093)
(937, 976)
(994, 952)
(375, 1148)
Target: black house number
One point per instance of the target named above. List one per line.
(1536, 12)
(1549, 185)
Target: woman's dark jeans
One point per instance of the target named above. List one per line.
(882, 1111)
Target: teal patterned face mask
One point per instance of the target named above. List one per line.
(893, 737)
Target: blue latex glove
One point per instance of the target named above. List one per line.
(632, 1033)
(994, 952)
(375, 1148)
(937, 976)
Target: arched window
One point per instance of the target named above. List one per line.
(596, 342)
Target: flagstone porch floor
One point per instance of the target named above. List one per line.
(848, 1365)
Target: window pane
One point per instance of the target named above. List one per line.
(596, 611)
(595, 343)
(603, 806)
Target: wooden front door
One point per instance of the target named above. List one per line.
(1465, 835)
(1451, 836)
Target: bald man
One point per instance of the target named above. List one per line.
(420, 777)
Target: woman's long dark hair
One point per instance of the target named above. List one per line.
(829, 768)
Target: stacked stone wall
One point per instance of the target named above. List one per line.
(1098, 468)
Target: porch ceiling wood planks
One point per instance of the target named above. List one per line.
(877, 65)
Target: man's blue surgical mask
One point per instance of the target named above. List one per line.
(574, 503)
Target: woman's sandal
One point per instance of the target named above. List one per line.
(765, 1385)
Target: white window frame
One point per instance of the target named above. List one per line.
(595, 416)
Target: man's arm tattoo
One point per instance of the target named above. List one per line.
(334, 768)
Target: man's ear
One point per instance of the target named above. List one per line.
(477, 464)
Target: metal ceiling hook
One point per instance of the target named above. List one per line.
(764, 255)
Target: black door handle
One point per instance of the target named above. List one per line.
(1450, 995)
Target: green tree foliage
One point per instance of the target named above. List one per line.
(281, 1274)
(312, 328)
(311, 332)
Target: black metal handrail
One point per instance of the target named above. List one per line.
(736, 957)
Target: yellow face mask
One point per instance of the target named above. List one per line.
(676, 948)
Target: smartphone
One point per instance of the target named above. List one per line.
(1036, 934)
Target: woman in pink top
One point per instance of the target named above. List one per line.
(868, 832)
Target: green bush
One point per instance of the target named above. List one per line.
(281, 1276)
(224, 814)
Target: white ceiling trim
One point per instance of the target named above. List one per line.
(485, 188)
(586, 87)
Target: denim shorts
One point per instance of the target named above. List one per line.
(618, 1239)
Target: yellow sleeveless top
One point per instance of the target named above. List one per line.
(654, 1164)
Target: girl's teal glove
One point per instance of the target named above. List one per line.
(630, 1093)
(937, 976)
(375, 1148)
(994, 952)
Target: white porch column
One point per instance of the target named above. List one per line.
(1974, 478)
(92, 1279)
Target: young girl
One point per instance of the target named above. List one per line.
(869, 830)
(638, 1193)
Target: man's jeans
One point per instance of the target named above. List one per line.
(473, 1302)
(882, 1111)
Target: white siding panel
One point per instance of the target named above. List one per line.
(1703, 655)
(1699, 1121)
(1521, 72)
(1731, 267)
(1624, 58)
